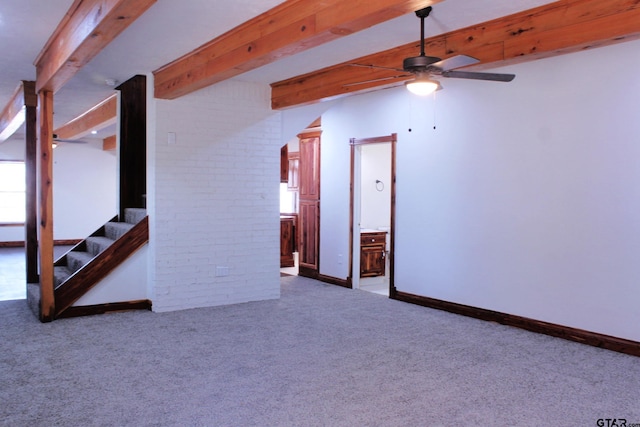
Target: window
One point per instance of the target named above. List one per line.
(12, 192)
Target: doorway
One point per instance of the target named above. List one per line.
(372, 216)
(300, 203)
(289, 179)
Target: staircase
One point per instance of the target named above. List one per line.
(80, 269)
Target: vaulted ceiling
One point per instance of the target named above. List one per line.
(304, 67)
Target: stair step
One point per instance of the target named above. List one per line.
(77, 259)
(134, 215)
(97, 244)
(114, 230)
(60, 274)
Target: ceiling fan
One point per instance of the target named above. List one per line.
(73, 141)
(425, 68)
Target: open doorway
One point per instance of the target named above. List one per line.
(289, 207)
(373, 213)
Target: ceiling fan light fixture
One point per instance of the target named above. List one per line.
(421, 86)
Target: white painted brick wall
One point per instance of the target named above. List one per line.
(216, 199)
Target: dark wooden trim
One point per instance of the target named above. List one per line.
(21, 244)
(89, 310)
(67, 242)
(308, 272)
(89, 275)
(392, 218)
(12, 244)
(345, 283)
(594, 339)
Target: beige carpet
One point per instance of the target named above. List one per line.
(320, 356)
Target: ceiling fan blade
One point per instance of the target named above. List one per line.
(495, 77)
(73, 141)
(455, 62)
(376, 66)
(381, 79)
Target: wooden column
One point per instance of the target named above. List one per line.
(133, 143)
(31, 174)
(45, 116)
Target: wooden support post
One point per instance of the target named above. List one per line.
(133, 143)
(45, 115)
(31, 168)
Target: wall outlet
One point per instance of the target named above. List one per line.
(222, 271)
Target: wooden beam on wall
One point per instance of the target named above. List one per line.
(289, 28)
(13, 114)
(561, 27)
(96, 118)
(86, 29)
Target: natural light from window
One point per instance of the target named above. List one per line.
(287, 199)
(12, 192)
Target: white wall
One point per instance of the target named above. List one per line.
(215, 198)
(375, 196)
(85, 193)
(84, 188)
(127, 282)
(525, 197)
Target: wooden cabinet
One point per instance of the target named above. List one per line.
(308, 234)
(287, 240)
(293, 179)
(309, 204)
(373, 246)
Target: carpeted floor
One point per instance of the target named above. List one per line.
(320, 356)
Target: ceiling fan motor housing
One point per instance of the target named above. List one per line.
(416, 64)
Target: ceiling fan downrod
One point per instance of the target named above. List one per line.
(420, 63)
(422, 13)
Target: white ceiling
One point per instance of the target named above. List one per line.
(170, 29)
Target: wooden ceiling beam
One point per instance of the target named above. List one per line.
(87, 27)
(109, 143)
(96, 118)
(289, 28)
(553, 29)
(13, 114)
